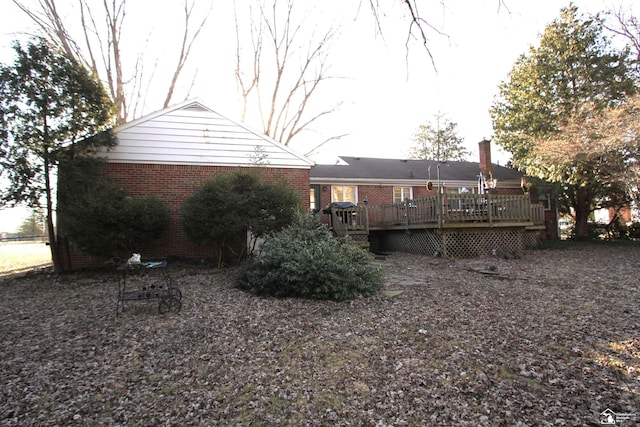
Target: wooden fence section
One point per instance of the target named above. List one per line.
(440, 211)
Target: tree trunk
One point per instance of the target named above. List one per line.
(55, 254)
(583, 209)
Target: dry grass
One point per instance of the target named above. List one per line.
(18, 256)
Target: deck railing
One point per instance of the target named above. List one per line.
(537, 213)
(450, 209)
(444, 210)
(349, 220)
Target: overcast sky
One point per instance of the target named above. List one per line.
(387, 91)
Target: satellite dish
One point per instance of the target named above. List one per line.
(429, 185)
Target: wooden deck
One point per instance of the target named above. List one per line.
(440, 211)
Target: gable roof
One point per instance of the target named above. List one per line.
(367, 169)
(192, 133)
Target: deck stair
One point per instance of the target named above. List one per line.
(352, 224)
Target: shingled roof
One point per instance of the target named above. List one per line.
(367, 169)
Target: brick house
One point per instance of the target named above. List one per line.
(374, 182)
(378, 181)
(169, 153)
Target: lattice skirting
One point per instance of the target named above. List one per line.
(532, 239)
(414, 241)
(361, 240)
(456, 243)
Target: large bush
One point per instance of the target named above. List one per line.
(224, 209)
(307, 261)
(98, 216)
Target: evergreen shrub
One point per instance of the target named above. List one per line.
(307, 261)
(99, 218)
(223, 209)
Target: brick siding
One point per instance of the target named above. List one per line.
(172, 184)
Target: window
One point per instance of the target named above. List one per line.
(450, 190)
(344, 193)
(400, 194)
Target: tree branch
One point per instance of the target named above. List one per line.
(186, 46)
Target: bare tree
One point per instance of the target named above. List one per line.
(419, 27)
(286, 69)
(628, 27)
(98, 45)
(248, 82)
(187, 44)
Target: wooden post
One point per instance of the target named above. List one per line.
(527, 208)
(490, 209)
(439, 208)
(406, 212)
(366, 219)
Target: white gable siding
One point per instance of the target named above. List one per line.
(192, 134)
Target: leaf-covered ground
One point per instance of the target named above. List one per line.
(552, 338)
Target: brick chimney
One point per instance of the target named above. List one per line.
(484, 148)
